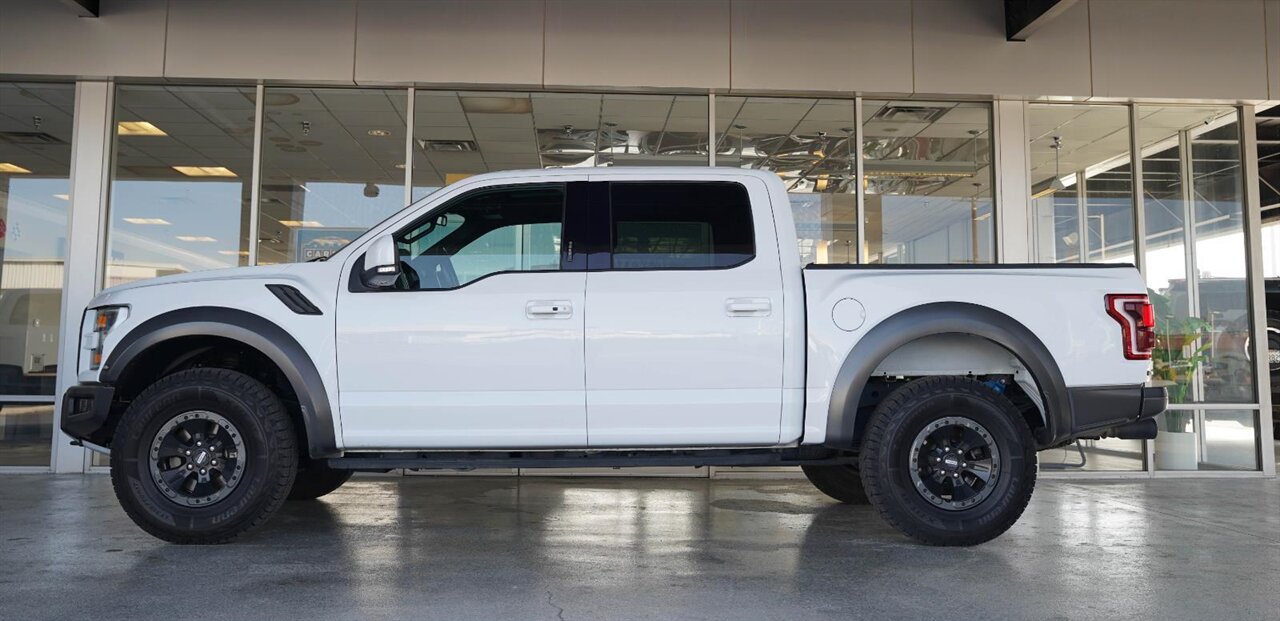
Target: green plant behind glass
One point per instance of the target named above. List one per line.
(1182, 346)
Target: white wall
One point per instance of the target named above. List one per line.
(1227, 50)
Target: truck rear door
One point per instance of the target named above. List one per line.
(684, 321)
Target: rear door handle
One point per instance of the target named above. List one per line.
(548, 309)
(748, 307)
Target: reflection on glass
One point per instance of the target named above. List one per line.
(180, 186)
(35, 162)
(1081, 183)
(1207, 440)
(26, 434)
(459, 134)
(1196, 268)
(810, 144)
(928, 182)
(332, 166)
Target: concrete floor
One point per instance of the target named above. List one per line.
(555, 548)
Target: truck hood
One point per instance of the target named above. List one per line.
(234, 273)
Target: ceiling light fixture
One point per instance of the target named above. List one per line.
(6, 167)
(65, 197)
(196, 238)
(160, 221)
(242, 253)
(204, 171)
(138, 128)
(308, 224)
(378, 132)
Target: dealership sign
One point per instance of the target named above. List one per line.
(320, 242)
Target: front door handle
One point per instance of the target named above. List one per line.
(548, 309)
(748, 307)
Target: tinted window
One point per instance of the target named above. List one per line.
(513, 229)
(680, 225)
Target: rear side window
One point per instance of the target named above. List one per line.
(664, 226)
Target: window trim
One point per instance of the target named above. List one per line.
(356, 285)
(605, 237)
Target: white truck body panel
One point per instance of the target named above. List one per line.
(1063, 306)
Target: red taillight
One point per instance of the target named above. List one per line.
(1137, 318)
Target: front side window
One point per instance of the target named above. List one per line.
(680, 225)
(510, 229)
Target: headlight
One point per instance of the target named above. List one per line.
(104, 319)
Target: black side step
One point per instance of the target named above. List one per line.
(464, 460)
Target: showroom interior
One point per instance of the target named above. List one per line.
(921, 135)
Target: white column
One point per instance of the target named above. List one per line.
(1257, 298)
(91, 138)
(1013, 188)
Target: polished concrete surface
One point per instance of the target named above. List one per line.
(594, 548)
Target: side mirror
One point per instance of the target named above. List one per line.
(381, 264)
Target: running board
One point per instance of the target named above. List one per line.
(464, 460)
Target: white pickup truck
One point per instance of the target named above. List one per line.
(606, 317)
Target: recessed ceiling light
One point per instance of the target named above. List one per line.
(204, 171)
(146, 221)
(196, 238)
(241, 253)
(138, 128)
(311, 224)
(379, 132)
(6, 167)
(400, 166)
(65, 197)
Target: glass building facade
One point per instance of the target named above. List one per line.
(202, 176)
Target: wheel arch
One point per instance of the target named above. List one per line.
(250, 331)
(844, 417)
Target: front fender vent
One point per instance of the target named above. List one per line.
(294, 299)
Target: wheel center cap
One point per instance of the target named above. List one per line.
(200, 458)
(951, 462)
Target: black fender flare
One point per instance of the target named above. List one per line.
(946, 318)
(253, 331)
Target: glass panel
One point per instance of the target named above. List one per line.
(35, 162)
(26, 434)
(459, 134)
(810, 144)
(928, 182)
(1197, 272)
(680, 225)
(506, 230)
(1105, 455)
(180, 188)
(1207, 440)
(332, 166)
(1074, 148)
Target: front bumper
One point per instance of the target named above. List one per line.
(85, 410)
(1116, 411)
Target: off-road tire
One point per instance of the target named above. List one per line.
(270, 461)
(887, 445)
(843, 482)
(315, 479)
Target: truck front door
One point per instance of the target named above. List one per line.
(480, 343)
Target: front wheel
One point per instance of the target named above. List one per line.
(948, 461)
(202, 456)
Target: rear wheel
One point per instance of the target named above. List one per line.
(948, 461)
(202, 456)
(315, 479)
(842, 483)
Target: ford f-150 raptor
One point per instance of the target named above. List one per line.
(606, 317)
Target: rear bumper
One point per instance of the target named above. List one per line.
(85, 410)
(1119, 411)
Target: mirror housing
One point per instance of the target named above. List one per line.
(381, 264)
